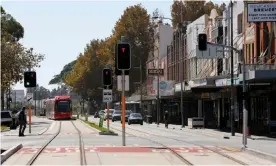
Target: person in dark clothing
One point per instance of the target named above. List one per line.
(22, 122)
(166, 117)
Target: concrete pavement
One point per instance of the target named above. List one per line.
(146, 145)
(262, 144)
(39, 125)
(187, 136)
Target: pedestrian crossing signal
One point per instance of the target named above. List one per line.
(107, 77)
(123, 56)
(202, 42)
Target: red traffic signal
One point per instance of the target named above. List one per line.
(202, 42)
(123, 56)
(107, 77)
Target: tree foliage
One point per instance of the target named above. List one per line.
(61, 76)
(135, 24)
(85, 77)
(192, 10)
(15, 58)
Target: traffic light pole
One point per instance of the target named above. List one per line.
(232, 77)
(123, 109)
(30, 112)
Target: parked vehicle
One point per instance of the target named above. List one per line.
(6, 118)
(135, 118)
(128, 112)
(116, 115)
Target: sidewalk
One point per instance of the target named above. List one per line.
(254, 143)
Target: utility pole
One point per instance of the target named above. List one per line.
(35, 100)
(245, 112)
(232, 76)
(158, 100)
(141, 86)
(181, 68)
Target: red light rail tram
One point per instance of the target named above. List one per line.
(59, 107)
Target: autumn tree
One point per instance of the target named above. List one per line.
(135, 25)
(85, 78)
(192, 10)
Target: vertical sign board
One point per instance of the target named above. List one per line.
(107, 95)
(120, 83)
(261, 12)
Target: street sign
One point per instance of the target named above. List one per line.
(29, 96)
(119, 83)
(107, 95)
(261, 12)
(155, 71)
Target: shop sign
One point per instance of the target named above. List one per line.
(166, 88)
(236, 81)
(261, 12)
(227, 82)
(177, 87)
(197, 83)
(221, 82)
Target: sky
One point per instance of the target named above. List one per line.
(61, 29)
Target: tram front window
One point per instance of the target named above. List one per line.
(63, 106)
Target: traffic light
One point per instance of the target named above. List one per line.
(202, 42)
(123, 56)
(118, 72)
(30, 79)
(107, 77)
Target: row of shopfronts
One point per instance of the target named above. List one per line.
(210, 98)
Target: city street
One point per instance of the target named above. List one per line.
(145, 145)
(39, 126)
(200, 136)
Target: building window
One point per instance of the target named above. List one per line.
(240, 23)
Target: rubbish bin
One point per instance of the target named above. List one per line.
(149, 119)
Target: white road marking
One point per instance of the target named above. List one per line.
(52, 125)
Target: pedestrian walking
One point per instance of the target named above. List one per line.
(166, 117)
(22, 122)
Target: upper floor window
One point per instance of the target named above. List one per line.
(240, 23)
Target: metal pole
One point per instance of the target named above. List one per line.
(232, 76)
(35, 102)
(245, 112)
(107, 109)
(158, 100)
(141, 86)
(30, 112)
(15, 99)
(181, 69)
(123, 109)
(9, 103)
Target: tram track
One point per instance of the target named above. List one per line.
(175, 153)
(33, 159)
(81, 146)
(184, 160)
(43, 147)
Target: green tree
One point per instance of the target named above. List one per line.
(135, 25)
(61, 76)
(15, 58)
(10, 28)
